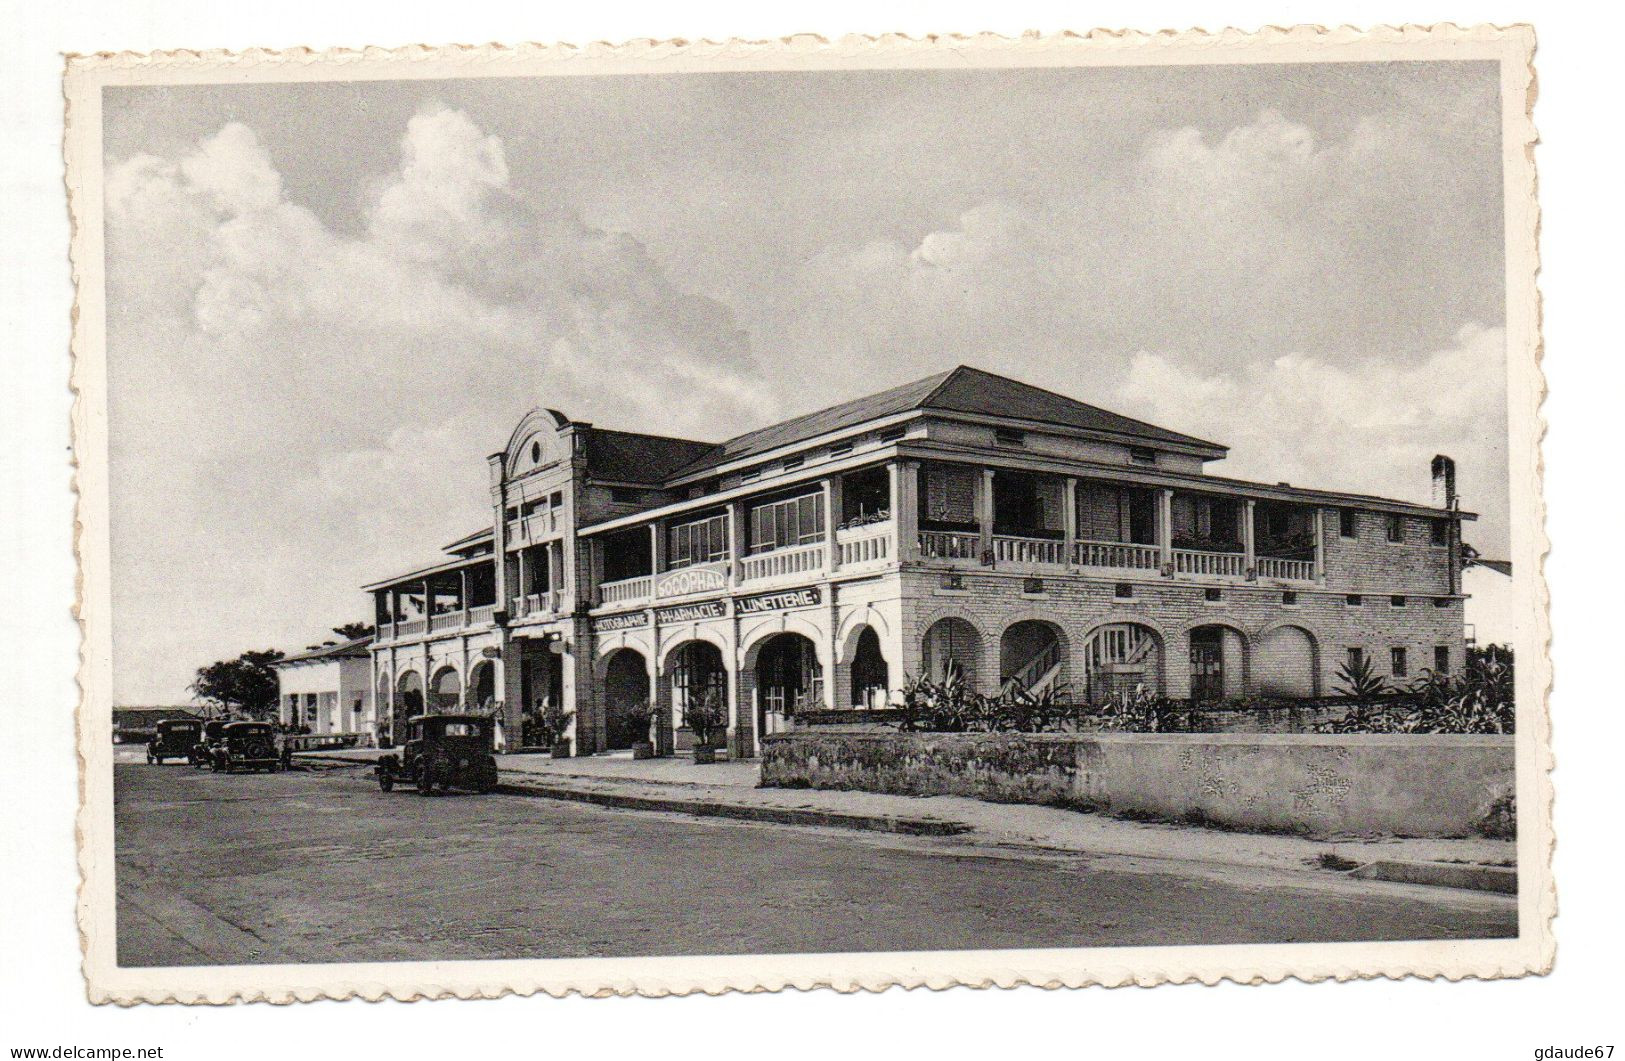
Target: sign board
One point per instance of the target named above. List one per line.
(630, 620)
(491, 652)
(683, 613)
(776, 602)
(691, 580)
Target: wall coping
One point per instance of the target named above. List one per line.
(1368, 740)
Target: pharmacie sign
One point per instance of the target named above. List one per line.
(778, 602)
(684, 613)
(608, 623)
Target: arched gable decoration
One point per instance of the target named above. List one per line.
(750, 642)
(535, 425)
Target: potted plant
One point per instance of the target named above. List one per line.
(707, 716)
(645, 748)
(553, 721)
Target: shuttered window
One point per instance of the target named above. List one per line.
(792, 521)
(698, 542)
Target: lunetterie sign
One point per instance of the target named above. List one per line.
(777, 602)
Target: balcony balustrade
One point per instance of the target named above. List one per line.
(1010, 549)
(950, 545)
(868, 544)
(446, 621)
(1199, 562)
(1119, 556)
(781, 562)
(1291, 570)
(536, 604)
(410, 627)
(625, 590)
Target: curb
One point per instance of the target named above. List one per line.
(875, 823)
(1442, 874)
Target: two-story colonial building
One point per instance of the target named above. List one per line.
(963, 522)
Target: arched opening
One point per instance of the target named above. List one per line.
(871, 678)
(1120, 659)
(952, 646)
(408, 702)
(482, 687)
(1032, 657)
(697, 670)
(1218, 663)
(626, 699)
(789, 680)
(1286, 662)
(445, 691)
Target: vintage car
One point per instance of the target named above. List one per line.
(174, 738)
(208, 740)
(246, 746)
(442, 751)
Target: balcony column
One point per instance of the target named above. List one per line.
(834, 497)
(657, 554)
(1069, 520)
(393, 597)
(904, 480)
(1165, 529)
(1249, 563)
(463, 576)
(984, 510)
(1320, 545)
(520, 604)
(428, 604)
(736, 542)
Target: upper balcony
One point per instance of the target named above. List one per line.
(440, 601)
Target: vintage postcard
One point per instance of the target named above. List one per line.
(684, 517)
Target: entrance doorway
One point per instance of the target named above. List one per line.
(626, 700)
(1207, 664)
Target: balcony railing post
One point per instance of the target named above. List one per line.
(1248, 547)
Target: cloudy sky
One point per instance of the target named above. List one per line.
(328, 303)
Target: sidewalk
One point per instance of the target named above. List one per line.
(731, 785)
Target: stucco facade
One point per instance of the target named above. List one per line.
(965, 523)
(329, 689)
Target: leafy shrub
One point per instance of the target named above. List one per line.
(1477, 700)
(1360, 682)
(1500, 819)
(707, 715)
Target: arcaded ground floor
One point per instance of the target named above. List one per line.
(322, 867)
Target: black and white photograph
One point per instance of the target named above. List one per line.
(561, 520)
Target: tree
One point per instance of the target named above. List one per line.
(351, 631)
(245, 685)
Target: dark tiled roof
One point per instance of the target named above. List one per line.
(136, 716)
(1503, 566)
(355, 648)
(961, 390)
(630, 457)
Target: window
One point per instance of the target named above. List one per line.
(1142, 455)
(792, 521)
(1441, 602)
(1353, 600)
(1032, 585)
(893, 434)
(953, 582)
(1006, 436)
(1356, 657)
(1213, 593)
(1441, 659)
(622, 496)
(536, 453)
(840, 449)
(1396, 601)
(1396, 528)
(750, 475)
(698, 542)
(1348, 523)
(1125, 590)
(1440, 529)
(792, 463)
(1289, 597)
(556, 499)
(1397, 662)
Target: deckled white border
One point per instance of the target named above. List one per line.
(1533, 951)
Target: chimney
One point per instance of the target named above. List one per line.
(1444, 482)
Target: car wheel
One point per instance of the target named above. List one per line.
(386, 780)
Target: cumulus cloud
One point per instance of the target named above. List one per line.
(1366, 426)
(299, 392)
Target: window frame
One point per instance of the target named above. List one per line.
(1399, 664)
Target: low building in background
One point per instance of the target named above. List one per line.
(328, 689)
(964, 523)
(136, 725)
(1491, 602)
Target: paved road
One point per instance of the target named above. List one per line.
(322, 866)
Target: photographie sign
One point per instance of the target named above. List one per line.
(609, 623)
(805, 597)
(687, 613)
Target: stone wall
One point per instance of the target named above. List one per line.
(1388, 785)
